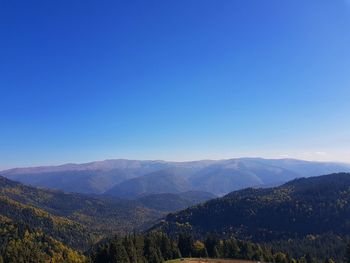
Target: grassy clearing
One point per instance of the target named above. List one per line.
(208, 260)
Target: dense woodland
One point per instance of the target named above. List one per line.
(157, 247)
(20, 244)
(302, 207)
(305, 220)
(101, 215)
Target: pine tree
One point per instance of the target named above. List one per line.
(347, 253)
(309, 258)
(247, 251)
(211, 243)
(151, 251)
(165, 247)
(118, 253)
(231, 249)
(185, 245)
(175, 251)
(130, 249)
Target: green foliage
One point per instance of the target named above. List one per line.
(322, 247)
(75, 219)
(62, 229)
(280, 258)
(281, 219)
(347, 253)
(300, 217)
(157, 247)
(19, 243)
(169, 202)
(199, 250)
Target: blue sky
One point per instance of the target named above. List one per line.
(174, 80)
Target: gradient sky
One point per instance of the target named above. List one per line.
(173, 79)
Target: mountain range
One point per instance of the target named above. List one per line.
(300, 208)
(303, 216)
(78, 220)
(132, 178)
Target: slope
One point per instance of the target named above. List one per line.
(315, 205)
(72, 217)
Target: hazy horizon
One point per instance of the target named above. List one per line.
(169, 160)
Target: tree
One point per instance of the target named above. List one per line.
(211, 243)
(151, 251)
(165, 247)
(130, 249)
(175, 250)
(118, 253)
(280, 258)
(329, 260)
(231, 249)
(199, 250)
(347, 253)
(247, 251)
(185, 245)
(309, 258)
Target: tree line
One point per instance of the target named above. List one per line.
(157, 247)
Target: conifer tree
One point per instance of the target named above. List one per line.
(118, 253)
(185, 245)
(347, 253)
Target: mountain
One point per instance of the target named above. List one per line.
(228, 175)
(74, 219)
(302, 207)
(171, 180)
(132, 178)
(304, 216)
(94, 177)
(79, 219)
(222, 177)
(19, 243)
(61, 228)
(169, 202)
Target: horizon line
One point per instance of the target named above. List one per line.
(168, 161)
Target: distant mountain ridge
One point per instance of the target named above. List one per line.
(132, 178)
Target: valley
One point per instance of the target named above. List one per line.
(130, 179)
(298, 218)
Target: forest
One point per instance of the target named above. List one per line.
(156, 247)
(305, 220)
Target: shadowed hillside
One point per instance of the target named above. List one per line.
(315, 205)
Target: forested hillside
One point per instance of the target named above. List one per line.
(20, 244)
(61, 228)
(157, 247)
(169, 202)
(78, 220)
(306, 219)
(75, 219)
(299, 210)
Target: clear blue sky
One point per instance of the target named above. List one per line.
(173, 79)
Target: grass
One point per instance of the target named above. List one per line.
(207, 260)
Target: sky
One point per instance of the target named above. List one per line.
(173, 80)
